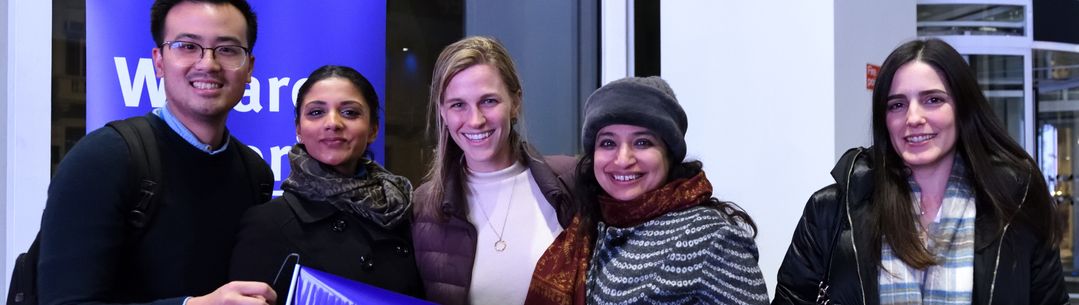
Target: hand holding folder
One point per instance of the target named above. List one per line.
(314, 287)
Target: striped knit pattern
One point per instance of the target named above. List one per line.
(693, 256)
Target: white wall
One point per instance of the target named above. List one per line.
(865, 33)
(773, 90)
(758, 86)
(616, 34)
(26, 123)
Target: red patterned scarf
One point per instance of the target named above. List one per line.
(560, 272)
(559, 277)
(675, 196)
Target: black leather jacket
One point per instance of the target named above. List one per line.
(1011, 265)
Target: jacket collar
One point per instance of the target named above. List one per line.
(553, 188)
(854, 176)
(306, 212)
(310, 212)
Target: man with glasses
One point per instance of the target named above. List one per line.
(88, 252)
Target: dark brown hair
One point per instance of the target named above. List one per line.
(993, 159)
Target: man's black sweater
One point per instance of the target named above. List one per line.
(87, 255)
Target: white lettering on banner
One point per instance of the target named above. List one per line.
(252, 93)
(257, 151)
(275, 92)
(131, 87)
(276, 154)
(296, 90)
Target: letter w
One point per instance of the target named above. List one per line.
(132, 87)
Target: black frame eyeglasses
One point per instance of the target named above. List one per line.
(228, 56)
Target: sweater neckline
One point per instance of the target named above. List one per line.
(513, 170)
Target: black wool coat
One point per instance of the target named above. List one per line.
(326, 239)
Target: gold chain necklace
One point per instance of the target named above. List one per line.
(500, 244)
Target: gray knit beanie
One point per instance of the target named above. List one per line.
(641, 101)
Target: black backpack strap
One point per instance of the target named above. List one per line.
(146, 165)
(146, 160)
(22, 289)
(260, 178)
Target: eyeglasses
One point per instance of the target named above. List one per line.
(228, 56)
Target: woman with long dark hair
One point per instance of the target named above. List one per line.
(944, 208)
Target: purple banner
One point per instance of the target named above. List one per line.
(294, 38)
(313, 287)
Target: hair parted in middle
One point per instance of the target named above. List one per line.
(354, 77)
(461, 55)
(991, 156)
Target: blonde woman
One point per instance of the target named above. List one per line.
(490, 205)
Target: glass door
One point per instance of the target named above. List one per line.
(1056, 86)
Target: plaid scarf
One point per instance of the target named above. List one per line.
(951, 240)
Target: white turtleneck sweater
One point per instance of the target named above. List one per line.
(507, 202)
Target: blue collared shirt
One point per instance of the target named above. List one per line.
(185, 133)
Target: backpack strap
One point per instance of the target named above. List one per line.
(146, 164)
(261, 180)
(146, 160)
(22, 289)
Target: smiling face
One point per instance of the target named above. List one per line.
(477, 110)
(921, 117)
(629, 161)
(335, 124)
(203, 90)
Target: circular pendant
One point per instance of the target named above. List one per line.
(500, 245)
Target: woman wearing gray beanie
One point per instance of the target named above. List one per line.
(490, 204)
(662, 237)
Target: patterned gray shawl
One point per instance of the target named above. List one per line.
(378, 195)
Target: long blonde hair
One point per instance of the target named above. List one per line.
(457, 57)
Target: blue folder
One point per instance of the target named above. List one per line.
(314, 287)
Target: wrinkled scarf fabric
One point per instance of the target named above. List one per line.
(675, 196)
(951, 240)
(378, 196)
(559, 277)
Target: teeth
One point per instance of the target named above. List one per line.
(626, 177)
(478, 136)
(206, 85)
(919, 138)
